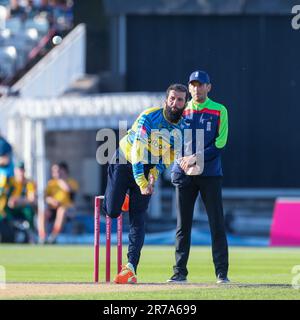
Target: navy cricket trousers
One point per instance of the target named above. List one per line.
(119, 182)
(211, 194)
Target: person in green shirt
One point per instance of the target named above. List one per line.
(192, 177)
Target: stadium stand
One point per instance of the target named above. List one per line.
(26, 30)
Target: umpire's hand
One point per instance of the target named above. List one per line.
(187, 162)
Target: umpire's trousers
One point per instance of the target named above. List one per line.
(120, 181)
(211, 193)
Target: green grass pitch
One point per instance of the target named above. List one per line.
(255, 273)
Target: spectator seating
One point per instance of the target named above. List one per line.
(24, 30)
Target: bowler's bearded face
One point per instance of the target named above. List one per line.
(175, 105)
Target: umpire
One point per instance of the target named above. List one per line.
(211, 117)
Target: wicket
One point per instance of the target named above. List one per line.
(108, 241)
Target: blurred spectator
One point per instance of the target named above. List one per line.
(59, 13)
(27, 27)
(6, 186)
(42, 6)
(60, 193)
(63, 14)
(22, 200)
(3, 16)
(6, 162)
(17, 10)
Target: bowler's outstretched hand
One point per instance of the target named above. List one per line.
(150, 188)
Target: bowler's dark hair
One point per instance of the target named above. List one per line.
(64, 166)
(178, 87)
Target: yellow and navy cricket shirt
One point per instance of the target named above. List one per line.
(150, 140)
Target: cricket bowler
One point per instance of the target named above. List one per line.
(136, 175)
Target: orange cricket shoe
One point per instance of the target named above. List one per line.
(125, 206)
(126, 276)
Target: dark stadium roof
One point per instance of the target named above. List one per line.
(199, 7)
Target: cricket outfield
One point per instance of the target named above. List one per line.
(66, 272)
